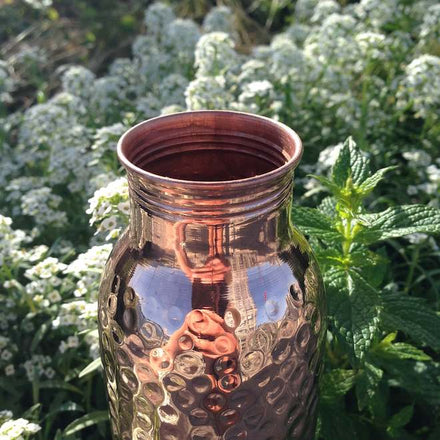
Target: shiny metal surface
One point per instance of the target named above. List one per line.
(211, 308)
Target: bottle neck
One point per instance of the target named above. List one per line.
(200, 231)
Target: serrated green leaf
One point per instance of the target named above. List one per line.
(328, 206)
(311, 222)
(398, 221)
(94, 365)
(329, 257)
(336, 383)
(399, 420)
(341, 169)
(402, 350)
(421, 379)
(367, 382)
(411, 316)
(350, 163)
(354, 309)
(370, 182)
(327, 183)
(86, 421)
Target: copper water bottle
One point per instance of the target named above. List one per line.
(211, 308)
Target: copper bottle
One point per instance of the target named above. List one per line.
(211, 308)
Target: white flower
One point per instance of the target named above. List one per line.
(49, 373)
(417, 158)
(220, 19)
(9, 370)
(430, 28)
(39, 4)
(72, 341)
(172, 89)
(54, 296)
(433, 173)
(208, 93)
(78, 81)
(6, 355)
(257, 95)
(15, 429)
(420, 88)
(215, 55)
(157, 16)
(109, 223)
(46, 268)
(323, 9)
(182, 36)
(124, 207)
(42, 205)
(304, 9)
(416, 238)
(379, 13)
(4, 341)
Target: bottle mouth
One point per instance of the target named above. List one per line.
(208, 148)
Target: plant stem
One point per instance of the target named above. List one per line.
(414, 259)
(347, 237)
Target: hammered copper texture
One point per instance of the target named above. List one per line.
(211, 326)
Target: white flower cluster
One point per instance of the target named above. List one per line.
(17, 429)
(428, 171)
(6, 82)
(11, 242)
(110, 207)
(38, 366)
(420, 87)
(43, 205)
(80, 314)
(87, 269)
(220, 19)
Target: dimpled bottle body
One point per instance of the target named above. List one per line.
(211, 307)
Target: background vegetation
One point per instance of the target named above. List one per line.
(359, 81)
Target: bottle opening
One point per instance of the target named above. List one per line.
(212, 165)
(208, 147)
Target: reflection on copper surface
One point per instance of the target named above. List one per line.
(211, 306)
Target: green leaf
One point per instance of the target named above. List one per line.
(341, 427)
(350, 163)
(367, 382)
(327, 183)
(311, 222)
(94, 365)
(86, 421)
(40, 334)
(341, 169)
(421, 379)
(370, 182)
(354, 309)
(65, 407)
(328, 206)
(336, 383)
(399, 420)
(329, 257)
(397, 222)
(59, 384)
(402, 350)
(412, 316)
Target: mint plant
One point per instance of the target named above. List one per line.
(378, 339)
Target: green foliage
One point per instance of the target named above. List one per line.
(378, 340)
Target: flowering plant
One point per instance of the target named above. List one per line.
(370, 69)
